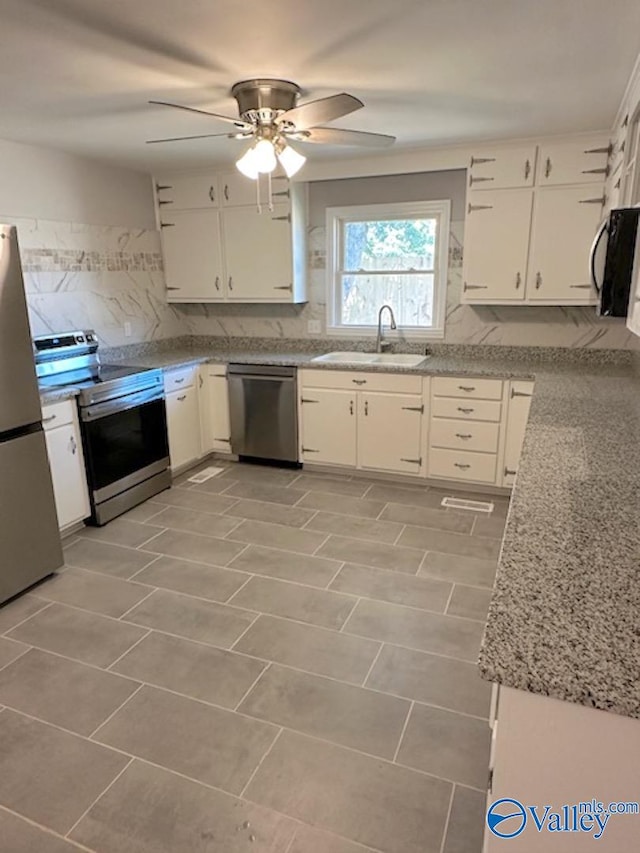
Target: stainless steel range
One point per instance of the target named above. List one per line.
(122, 420)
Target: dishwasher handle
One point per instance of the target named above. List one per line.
(268, 371)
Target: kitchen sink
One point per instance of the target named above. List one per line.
(400, 359)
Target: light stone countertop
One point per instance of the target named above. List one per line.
(564, 620)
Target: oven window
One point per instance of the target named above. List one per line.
(122, 443)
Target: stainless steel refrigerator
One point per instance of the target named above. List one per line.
(30, 546)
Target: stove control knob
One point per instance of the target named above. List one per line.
(79, 339)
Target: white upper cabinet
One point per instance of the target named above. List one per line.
(258, 254)
(565, 220)
(187, 192)
(192, 256)
(502, 168)
(496, 242)
(575, 162)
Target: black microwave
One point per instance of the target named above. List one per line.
(612, 260)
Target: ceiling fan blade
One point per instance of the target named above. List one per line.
(199, 136)
(238, 122)
(318, 112)
(336, 136)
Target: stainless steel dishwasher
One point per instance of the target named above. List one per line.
(264, 411)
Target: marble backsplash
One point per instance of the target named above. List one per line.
(86, 276)
(82, 276)
(527, 326)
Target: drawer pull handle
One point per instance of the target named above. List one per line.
(359, 381)
(461, 465)
(464, 436)
(182, 397)
(49, 419)
(465, 411)
(467, 387)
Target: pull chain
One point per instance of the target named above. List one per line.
(270, 192)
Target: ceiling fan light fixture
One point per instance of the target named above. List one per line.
(291, 160)
(248, 164)
(265, 156)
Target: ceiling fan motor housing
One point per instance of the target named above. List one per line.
(261, 101)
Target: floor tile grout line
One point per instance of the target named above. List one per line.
(86, 812)
(259, 765)
(253, 684)
(321, 545)
(399, 536)
(46, 604)
(350, 614)
(404, 729)
(134, 575)
(17, 658)
(305, 526)
(371, 668)
(46, 829)
(447, 605)
(124, 654)
(246, 630)
(120, 707)
(150, 539)
(338, 570)
(445, 829)
(250, 577)
(123, 616)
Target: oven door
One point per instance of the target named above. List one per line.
(125, 442)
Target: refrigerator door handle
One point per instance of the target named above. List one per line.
(602, 230)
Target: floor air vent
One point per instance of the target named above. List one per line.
(204, 475)
(473, 506)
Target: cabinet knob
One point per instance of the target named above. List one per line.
(212, 194)
(538, 281)
(366, 407)
(350, 407)
(226, 192)
(518, 280)
(230, 282)
(527, 169)
(217, 282)
(182, 397)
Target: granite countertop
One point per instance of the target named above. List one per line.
(564, 617)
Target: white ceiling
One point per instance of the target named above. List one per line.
(77, 74)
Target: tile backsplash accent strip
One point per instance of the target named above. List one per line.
(80, 260)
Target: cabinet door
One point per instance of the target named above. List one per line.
(496, 242)
(238, 190)
(204, 409)
(258, 255)
(328, 426)
(573, 162)
(187, 192)
(517, 415)
(389, 432)
(565, 220)
(68, 474)
(183, 425)
(192, 256)
(218, 398)
(502, 168)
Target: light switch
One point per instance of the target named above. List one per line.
(314, 327)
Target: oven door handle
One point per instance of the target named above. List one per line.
(120, 404)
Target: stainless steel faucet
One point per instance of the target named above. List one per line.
(382, 345)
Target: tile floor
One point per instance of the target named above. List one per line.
(270, 661)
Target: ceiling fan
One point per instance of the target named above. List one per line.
(270, 117)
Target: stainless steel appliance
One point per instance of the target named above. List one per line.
(611, 261)
(263, 409)
(29, 539)
(123, 421)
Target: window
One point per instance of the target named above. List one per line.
(394, 254)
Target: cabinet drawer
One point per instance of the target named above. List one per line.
(355, 380)
(58, 414)
(462, 465)
(478, 410)
(469, 436)
(184, 377)
(467, 386)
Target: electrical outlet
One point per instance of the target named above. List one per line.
(127, 329)
(314, 327)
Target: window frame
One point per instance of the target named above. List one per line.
(335, 217)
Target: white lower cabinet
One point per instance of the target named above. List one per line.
(328, 423)
(518, 406)
(215, 428)
(390, 432)
(375, 429)
(66, 460)
(183, 425)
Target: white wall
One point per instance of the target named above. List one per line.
(41, 183)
